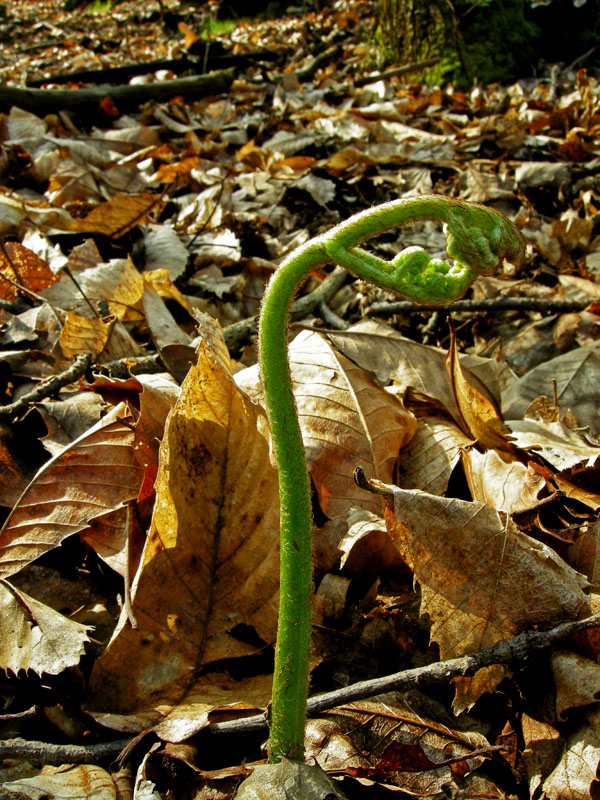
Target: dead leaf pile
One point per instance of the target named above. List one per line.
(139, 551)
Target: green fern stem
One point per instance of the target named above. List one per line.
(478, 239)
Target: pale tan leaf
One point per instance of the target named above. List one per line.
(575, 776)
(93, 475)
(117, 282)
(213, 697)
(210, 562)
(429, 458)
(367, 548)
(563, 448)
(512, 487)
(576, 680)
(576, 376)
(481, 579)
(347, 420)
(543, 746)
(82, 782)
(35, 637)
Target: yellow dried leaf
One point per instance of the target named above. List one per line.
(119, 215)
(210, 563)
(83, 335)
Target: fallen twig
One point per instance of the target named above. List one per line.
(47, 388)
(389, 73)
(384, 309)
(516, 649)
(308, 72)
(61, 753)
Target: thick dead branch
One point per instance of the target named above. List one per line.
(308, 72)
(43, 101)
(176, 65)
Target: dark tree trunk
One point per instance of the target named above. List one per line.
(415, 30)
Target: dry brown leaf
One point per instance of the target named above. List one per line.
(35, 637)
(118, 539)
(94, 474)
(584, 555)
(164, 251)
(565, 449)
(215, 697)
(82, 782)
(392, 739)
(119, 215)
(163, 328)
(390, 357)
(331, 596)
(84, 256)
(159, 394)
(481, 579)
(13, 211)
(162, 283)
(349, 159)
(210, 562)
(21, 265)
(347, 420)
(68, 417)
(14, 473)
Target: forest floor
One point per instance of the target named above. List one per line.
(138, 556)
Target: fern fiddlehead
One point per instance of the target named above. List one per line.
(478, 238)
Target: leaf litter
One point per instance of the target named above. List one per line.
(139, 547)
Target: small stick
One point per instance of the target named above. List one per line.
(48, 387)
